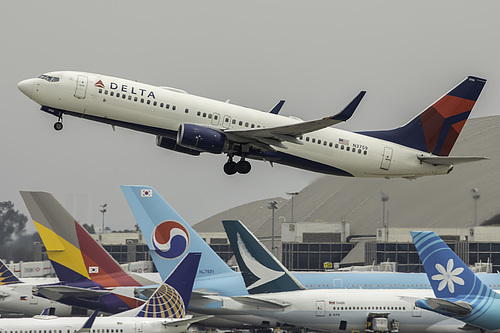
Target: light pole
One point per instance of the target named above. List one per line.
(293, 194)
(385, 198)
(103, 210)
(272, 205)
(475, 196)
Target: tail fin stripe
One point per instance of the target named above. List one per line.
(448, 134)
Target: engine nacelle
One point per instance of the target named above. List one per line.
(171, 144)
(201, 138)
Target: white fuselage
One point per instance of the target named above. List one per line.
(329, 310)
(160, 111)
(101, 324)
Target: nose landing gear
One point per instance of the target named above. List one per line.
(231, 167)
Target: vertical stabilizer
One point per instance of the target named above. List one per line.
(459, 292)
(170, 238)
(436, 129)
(262, 272)
(74, 254)
(6, 275)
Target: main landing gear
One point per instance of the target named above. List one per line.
(58, 125)
(231, 167)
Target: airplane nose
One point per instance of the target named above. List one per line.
(26, 86)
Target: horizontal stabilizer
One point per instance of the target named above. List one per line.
(58, 292)
(186, 321)
(261, 303)
(446, 160)
(459, 308)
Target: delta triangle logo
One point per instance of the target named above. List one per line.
(99, 84)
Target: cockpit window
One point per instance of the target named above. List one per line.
(49, 78)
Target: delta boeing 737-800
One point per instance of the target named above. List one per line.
(191, 124)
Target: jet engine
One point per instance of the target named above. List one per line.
(171, 144)
(201, 138)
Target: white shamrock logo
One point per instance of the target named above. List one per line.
(448, 276)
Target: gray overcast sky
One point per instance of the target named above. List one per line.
(315, 54)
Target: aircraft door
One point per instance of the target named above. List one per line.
(320, 308)
(81, 87)
(416, 312)
(215, 119)
(386, 159)
(138, 328)
(227, 122)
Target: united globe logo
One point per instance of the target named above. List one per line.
(170, 239)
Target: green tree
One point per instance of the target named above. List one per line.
(12, 223)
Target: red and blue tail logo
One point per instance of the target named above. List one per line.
(436, 129)
(170, 239)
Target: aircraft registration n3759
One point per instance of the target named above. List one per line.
(191, 124)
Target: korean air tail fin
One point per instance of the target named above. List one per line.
(171, 299)
(436, 129)
(170, 237)
(6, 275)
(74, 254)
(459, 292)
(262, 272)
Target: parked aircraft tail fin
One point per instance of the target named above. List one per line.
(6, 275)
(74, 254)
(171, 299)
(436, 129)
(170, 237)
(260, 269)
(459, 292)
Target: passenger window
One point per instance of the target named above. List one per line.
(135, 99)
(319, 141)
(154, 103)
(148, 102)
(253, 126)
(234, 121)
(129, 97)
(111, 93)
(117, 95)
(100, 91)
(204, 114)
(198, 113)
(124, 96)
(167, 106)
(216, 117)
(330, 144)
(186, 110)
(246, 124)
(142, 100)
(209, 116)
(348, 148)
(342, 147)
(173, 107)
(307, 139)
(240, 123)
(161, 105)
(105, 92)
(313, 140)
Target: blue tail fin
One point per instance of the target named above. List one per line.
(262, 272)
(460, 293)
(6, 275)
(170, 237)
(437, 128)
(171, 299)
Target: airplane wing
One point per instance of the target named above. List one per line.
(265, 137)
(459, 308)
(445, 160)
(58, 292)
(261, 303)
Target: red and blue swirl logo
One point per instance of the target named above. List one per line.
(170, 239)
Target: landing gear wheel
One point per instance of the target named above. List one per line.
(58, 126)
(230, 168)
(243, 167)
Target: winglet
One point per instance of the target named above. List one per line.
(88, 324)
(348, 111)
(262, 272)
(6, 275)
(277, 107)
